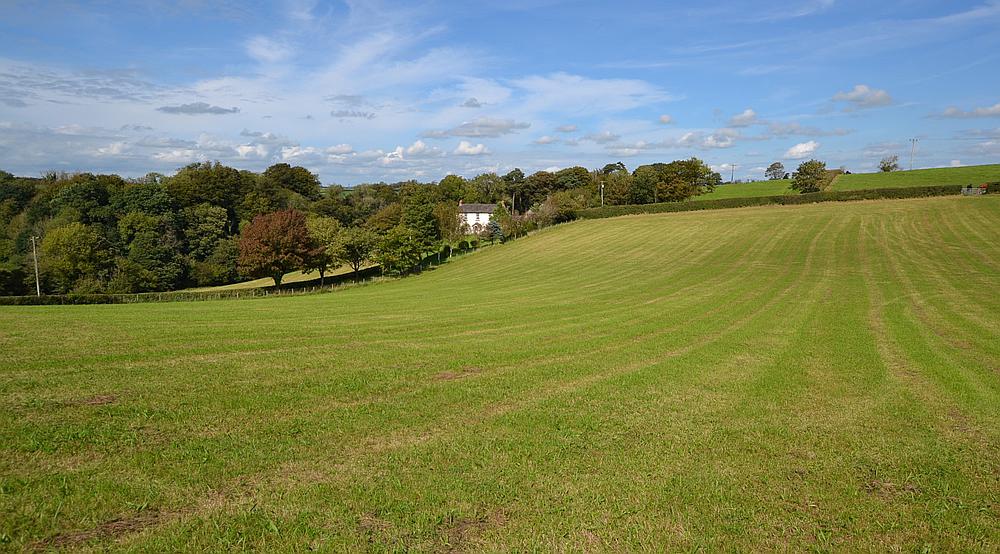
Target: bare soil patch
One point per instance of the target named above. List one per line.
(114, 528)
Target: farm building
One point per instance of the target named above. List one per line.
(475, 216)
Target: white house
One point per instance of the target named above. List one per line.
(475, 216)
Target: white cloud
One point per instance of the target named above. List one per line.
(566, 128)
(472, 103)
(802, 150)
(113, 149)
(264, 49)
(546, 140)
(604, 137)
(417, 148)
(252, 151)
(666, 119)
(481, 127)
(956, 163)
(340, 149)
(745, 119)
(986, 111)
(465, 148)
(863, 96)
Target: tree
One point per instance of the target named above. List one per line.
(536, 187)
(324, 232)
(274, 244)
(452, 188)
(572, 178)
(673, 182)
(809, 177)
(613, 168)
(73, 252)
(889, 164)
(488, 187)
(86, 198)
(204, 227)
(296, 179)
(354, 246)
(775, 171)
(399, 251)
(152, 252)
(514, 181)
(220, 267)
(214, 184)
(560, 206)
(418, 203)
(617, 187)
(385, 218)
(448, 223)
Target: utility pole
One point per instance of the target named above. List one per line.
(913, 146)
(732, 173)
(602, 194)
(34, 254)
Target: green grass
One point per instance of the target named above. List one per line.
(746, 190)
(794, 378)
(292, 277)
(858, 181)
(974, 175)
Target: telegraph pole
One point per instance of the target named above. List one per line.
(34, 254)
(913, 146)
(602, 194)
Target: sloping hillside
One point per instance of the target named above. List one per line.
(815, 377)
(971, 175)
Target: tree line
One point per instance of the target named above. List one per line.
(211, 224)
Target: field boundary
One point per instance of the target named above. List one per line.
(368, 275)
(794, 199)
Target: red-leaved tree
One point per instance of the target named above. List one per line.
(274, 244)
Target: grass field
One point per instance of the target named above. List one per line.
(819, 377)
(974, 175)
(858, 181)
(746, 190)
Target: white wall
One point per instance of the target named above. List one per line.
(471, 219)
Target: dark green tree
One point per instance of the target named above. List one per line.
(71, 253)
(293, 178)
(325, 232)
(214, 184)
(809, 177)
(399, 251)
(355, 247)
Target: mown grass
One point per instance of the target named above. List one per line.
(819, 377)
(971, 175)
(747, 190)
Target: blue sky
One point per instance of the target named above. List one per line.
(369, 91)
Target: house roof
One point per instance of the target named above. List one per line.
(476, 208)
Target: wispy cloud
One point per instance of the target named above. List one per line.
(863, 97)
(197, 108)
(954, 112)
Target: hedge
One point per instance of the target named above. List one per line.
(806, 198)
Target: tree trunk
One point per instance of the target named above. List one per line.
(277, 279)
(322, 272)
